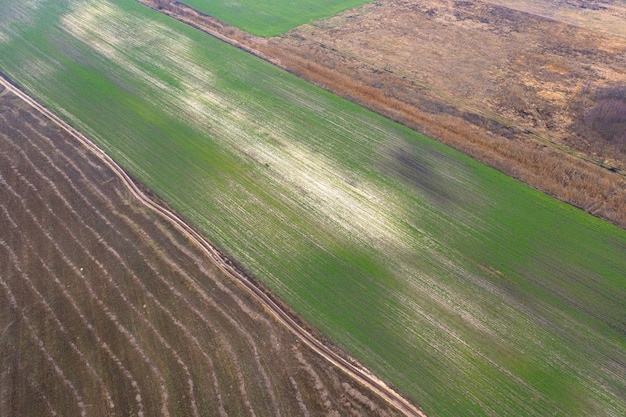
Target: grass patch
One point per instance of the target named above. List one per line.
(469, 291)
(271, 17)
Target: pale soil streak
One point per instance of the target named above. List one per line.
(42, 395)
(361, 399)
(103, 344)
(303, 407)
(93, 295)
(347, 365)
(200, 263)
(318, 384)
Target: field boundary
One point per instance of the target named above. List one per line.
(565, 174)
(346, 364)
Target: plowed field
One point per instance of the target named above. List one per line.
(106, 309)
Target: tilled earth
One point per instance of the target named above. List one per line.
(106, 309)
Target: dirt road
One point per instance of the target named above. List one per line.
(347, 365)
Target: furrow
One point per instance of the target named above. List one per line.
(62, 329)
(301, 404)
(44, 398)
(80, 150)
(318, 384)
(32, 333)
(100, 239)
(135, 278)
(112, 282)
(365, 405)
(103, 344)
(90, 328)
(181, 272)
(87, 324)
(93, 295)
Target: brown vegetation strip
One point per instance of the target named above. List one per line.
(122, 310)
(584, 174)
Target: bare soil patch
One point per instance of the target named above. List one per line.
(107, 309)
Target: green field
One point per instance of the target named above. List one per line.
(472, 293)
(271, 17)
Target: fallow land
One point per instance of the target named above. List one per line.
(469, 291)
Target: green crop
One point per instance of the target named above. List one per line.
(469, 291)
(271, 17)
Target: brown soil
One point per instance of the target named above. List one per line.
(509, 88)
(107, 309)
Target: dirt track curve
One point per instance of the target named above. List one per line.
(348, 366)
